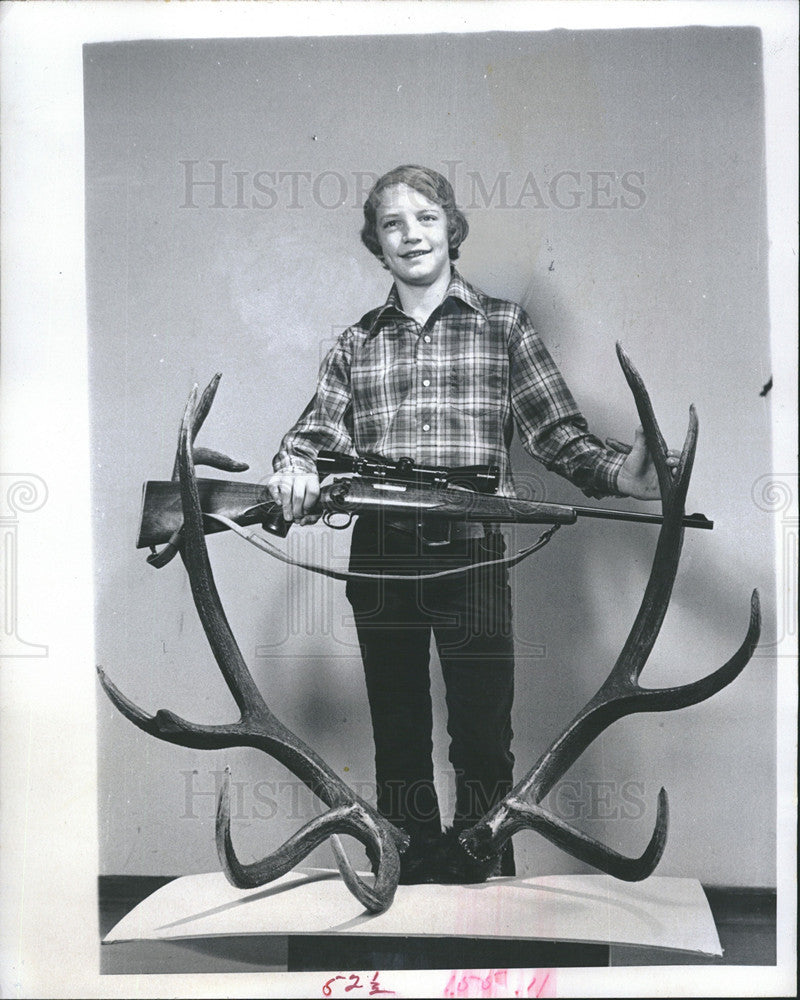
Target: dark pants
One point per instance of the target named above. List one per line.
(470, 617)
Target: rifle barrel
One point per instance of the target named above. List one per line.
(689, 520)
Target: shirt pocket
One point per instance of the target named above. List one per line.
(380, 384)
(477, 406)
(478, 386)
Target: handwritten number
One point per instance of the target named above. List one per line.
(540, 990)
(463, 983)
(375, 988)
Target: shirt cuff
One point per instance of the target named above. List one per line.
(606, 477)
(294, 464)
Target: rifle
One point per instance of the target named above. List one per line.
(402, 489)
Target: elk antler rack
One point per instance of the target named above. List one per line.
(521, 809)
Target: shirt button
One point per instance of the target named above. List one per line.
(427, 338)
(426, 427)
(426, 381)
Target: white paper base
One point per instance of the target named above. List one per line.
(668, 913)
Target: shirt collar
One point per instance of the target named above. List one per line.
(458, 289)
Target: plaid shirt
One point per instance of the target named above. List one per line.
(448, 394)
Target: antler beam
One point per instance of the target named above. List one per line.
(258, 727)
(620, 695)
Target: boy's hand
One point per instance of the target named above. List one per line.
(297, 493)
(637, 477)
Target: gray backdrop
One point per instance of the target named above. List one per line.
(614, 184)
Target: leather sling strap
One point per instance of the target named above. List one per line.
(260, 542)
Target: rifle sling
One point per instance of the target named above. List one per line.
(266, 546)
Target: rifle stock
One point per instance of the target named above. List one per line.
(162, 516)
(249, 503)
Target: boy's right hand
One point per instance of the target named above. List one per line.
(297, 493)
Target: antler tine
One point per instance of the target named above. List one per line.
(684, 695)
(652, 432)
(209, 456)
(199, 417)
(658, 591)
(592, 851)
(686, 463)
(168, 726)
(673, 489)
(351, 819)
(620, 694)
(257, 726)
(202, 456)
(385, 860)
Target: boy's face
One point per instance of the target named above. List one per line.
(412, 231)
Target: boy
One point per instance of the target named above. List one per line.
(440, 373)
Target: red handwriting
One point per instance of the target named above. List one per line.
(341, 985)
(465, 983)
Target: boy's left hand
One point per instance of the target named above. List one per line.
(637, 476)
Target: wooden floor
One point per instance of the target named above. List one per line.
(745, 920)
